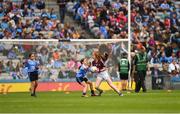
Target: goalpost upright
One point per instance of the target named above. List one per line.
(129, 40)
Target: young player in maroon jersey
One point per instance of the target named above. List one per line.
(102, 73)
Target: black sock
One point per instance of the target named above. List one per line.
(92, 92)
(84, 93)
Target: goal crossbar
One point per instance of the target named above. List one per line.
(56, 41)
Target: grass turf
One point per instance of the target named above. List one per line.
(109, 102)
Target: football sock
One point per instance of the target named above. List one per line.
(84, 93)
(92, 92)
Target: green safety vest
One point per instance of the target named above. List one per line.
(124, 66)
(141, 62)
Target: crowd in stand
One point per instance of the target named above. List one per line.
(156, 25)
(104, 18)
(30, 19)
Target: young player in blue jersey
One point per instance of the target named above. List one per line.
(82, 79)
(32, 66)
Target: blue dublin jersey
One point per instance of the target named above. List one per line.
(82, 71)
(32, 65)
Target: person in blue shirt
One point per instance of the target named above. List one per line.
(172, 57)
(82, 79)
(163, 58)
(32, 69)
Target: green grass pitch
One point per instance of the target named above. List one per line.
(109, 102)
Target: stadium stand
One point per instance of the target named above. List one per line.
(103, 18)
(156, 25)
(30, 19)
(39, 19)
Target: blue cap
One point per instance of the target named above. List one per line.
(53, 16)
(19, 30)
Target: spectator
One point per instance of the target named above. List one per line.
(1, 67)
(40, 4)
(103, 30)
(62, 9)
(165, 5)
(44, 57)
(11, 54)
(151, 41)
(163, 58)
(56, 55)
(174, 69)
(174, 23)
(172, 57)
(9, 67)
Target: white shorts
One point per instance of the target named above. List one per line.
(103, 75)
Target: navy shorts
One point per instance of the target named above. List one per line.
(81, 79)
(33, 76)
(123, 76)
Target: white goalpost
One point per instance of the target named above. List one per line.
(56, 41)
(129, 41)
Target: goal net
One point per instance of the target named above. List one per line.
(59, 59)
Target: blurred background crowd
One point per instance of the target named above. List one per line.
(155, 24)
(103, 18)
(31, 19)
(36, 19)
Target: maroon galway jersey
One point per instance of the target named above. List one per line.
(100, 64)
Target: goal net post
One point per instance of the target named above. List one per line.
(70, 53)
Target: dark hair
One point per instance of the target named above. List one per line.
(31, 54)
(124, 55)
(81, 61)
